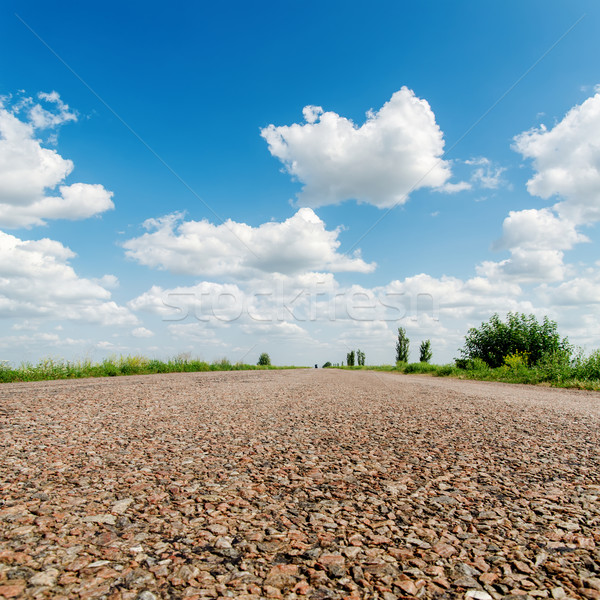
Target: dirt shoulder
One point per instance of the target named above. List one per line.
(298, 484)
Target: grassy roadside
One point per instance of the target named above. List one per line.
(50, 368)
(578, 376)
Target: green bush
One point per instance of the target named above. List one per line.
(225, 365)
(109, 368)
(264, 360)
(495, 340)
(444, 371)
(157, 366)
(517, 362)
(587, 368)
(555, 368)
(325, 365)
(420, 367)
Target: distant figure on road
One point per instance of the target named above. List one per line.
(316, 366)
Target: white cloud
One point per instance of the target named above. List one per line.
(527, 265)
(397, 150)
(33, 342)
(194, 332)
(206, 301)
(142, 332)
(579, 292)
(454, 297)
(567, 161)
(453, 188)
(536, 239)
(25, 325)
(44, 119)
(299, 244)
(36, 280)
(486, 174)
(567, 164)
(277, 329)
(538, 229)
(75, 202)
(107, 281)
(30, 172)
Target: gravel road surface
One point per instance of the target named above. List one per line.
(298, 484)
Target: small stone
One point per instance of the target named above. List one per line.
(146, 595)
(558, 593)
(408, 586)
(466, 582)
(592, 582)
(334, 563)
(282, 576)
(302, 588)
(218, 529)
(106, 519)
(12, 591)
(122, 505)
(478, 595)
(523, 567)
(272, 592)
(223, 543)
(351, 552)
(487, 515)
(444, 550)
(46, 578)
(447, 500)
(98, 563)
(488, 578)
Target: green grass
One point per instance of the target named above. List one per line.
(50, 368)
(410, 368)
(580, 372)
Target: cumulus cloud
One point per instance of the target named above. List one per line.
(566, 159)
(538, 229)
(579, 291)
(536, 239)
(30, 172)
(75, 202)
(299, 244)
(527, 265)
(36, 280)
(452, 297)
(397, 150)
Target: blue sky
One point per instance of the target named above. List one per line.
(229, 159)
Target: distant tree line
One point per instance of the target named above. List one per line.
(519, 336)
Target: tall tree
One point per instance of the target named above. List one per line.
(360, 358)
(402, 346)
(350, 359)
(425, 351)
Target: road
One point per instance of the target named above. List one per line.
(298, 484)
